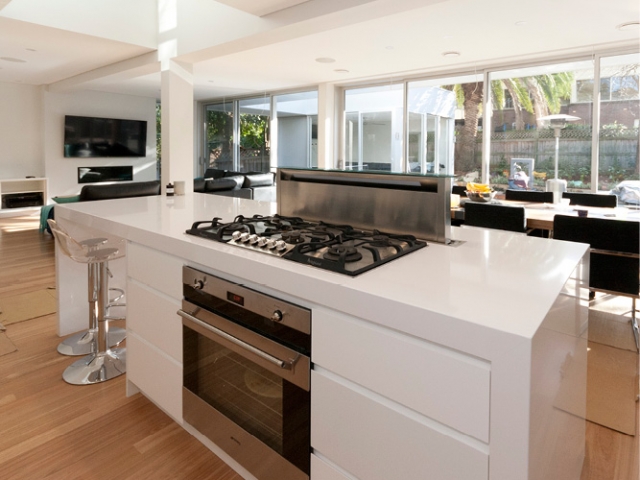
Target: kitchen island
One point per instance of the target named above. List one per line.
(451, 362)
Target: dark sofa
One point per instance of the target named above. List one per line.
(252, 185)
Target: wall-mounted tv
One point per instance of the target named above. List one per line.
(104, 137)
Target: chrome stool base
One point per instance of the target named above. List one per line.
(96, 368)
(82, 343)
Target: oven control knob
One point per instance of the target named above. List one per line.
(281, 245)
(253, 239)
(276, 316)
(263, 241)
(198, 284)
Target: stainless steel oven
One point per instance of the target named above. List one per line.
(247, 374)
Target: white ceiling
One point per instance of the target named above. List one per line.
(385, 46)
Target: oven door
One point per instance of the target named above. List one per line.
(247, 394)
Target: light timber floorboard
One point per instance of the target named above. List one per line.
(51, 430)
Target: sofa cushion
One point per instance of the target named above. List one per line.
(221, 184)
(214, 173)
(119, 190)
(257, 180)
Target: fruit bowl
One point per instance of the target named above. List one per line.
(483, 197)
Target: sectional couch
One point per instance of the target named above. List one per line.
(252, 185)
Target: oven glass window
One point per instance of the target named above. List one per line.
(272, 409)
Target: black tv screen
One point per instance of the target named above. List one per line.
(104, 137)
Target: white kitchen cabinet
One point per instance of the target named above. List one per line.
(438, 382)
(154, 330)
(373, 439)
(321, 470)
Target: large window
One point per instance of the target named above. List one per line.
(239, 137)
(297, 115)
(619, 118)
(520, 135)
(374, 128)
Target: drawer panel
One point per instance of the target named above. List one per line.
(157, 375)
(321, 470)
(440, 383)
(373, 441)
(158, 270)
(154, 318)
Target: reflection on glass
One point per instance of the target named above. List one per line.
(297, 115)
(219, 136)
(520, 98)
(374, 128)
(619, 118)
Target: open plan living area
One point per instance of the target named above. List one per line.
(319, 239)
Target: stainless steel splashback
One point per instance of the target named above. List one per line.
(400, 204)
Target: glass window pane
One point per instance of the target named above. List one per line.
(619, 118)
(431, 115)
(219, 136)
(297, 115)
(521, 136)
(374, 128)
(255, 114)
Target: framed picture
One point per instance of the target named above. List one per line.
(521, 173)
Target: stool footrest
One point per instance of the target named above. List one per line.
(82, 343)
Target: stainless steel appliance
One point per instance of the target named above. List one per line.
(247, 374)
(339, 248)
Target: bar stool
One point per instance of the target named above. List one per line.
(102, 363)
(83, 343)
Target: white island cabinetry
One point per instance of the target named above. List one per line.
(447, 363)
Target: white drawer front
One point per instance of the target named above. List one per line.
(156, 269)
(440, 383)
(372, 441)
(321, 470)
(154, 318)
(157, 375)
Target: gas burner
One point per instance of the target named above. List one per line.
(293, 237)
(380, 241)
(342, 253)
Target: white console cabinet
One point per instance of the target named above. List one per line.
(20, 193)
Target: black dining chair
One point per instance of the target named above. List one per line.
(591, 199)
(614, 265)
(459, 190)
(528, 196)
(501, 217)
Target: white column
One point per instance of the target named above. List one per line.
(177, 124)
(327, 125)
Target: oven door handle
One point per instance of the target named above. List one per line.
(287, 365)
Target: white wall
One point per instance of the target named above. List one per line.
(21, 143)
(63, 172)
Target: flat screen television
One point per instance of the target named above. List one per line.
(104, 137)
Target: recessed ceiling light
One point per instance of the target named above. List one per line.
(628, 26)
(448, 37)
(520, 23)
(450, 54)
(210, 81)
(389, 47)
(341, 70)
(11, 59)
(325, 60)
(31, 49)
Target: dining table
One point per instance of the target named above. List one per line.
(540, 215)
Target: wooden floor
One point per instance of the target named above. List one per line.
(52, 430)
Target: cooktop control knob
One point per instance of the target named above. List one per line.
(281, 245)
(253, 239)
(276, 316)
(236, 235)
(271, 244)
(243, 237)
(263, 241)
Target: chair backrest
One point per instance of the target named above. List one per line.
(500, 217)
(591, 199)
(67, 244)
(615, 247)
(459, 190)
(529, 196)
